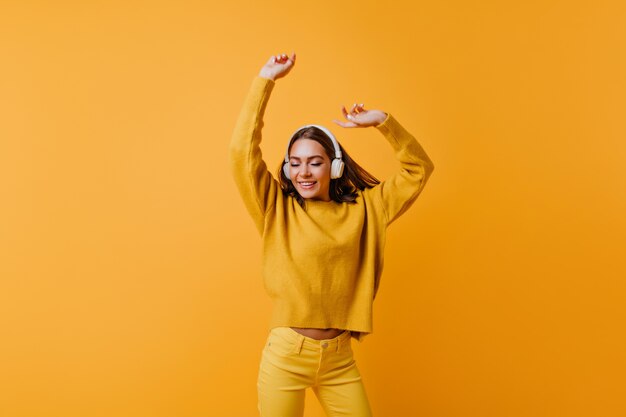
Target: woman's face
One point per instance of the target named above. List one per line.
(309, 169)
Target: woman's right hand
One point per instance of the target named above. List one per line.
(278, 66)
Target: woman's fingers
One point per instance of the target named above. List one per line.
(350, 116)
(357, 108)
(360, 117)
(283, 58)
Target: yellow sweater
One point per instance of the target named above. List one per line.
(322, 263)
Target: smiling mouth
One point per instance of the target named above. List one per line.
(307, 184)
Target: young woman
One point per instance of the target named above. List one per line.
(323, 227)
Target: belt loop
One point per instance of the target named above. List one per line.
(298, 344)
(338, 343)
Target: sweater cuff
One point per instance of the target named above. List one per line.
(264, 83)
(392, 130)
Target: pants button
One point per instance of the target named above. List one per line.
(324, 345)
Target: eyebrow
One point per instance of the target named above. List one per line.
(312, 157)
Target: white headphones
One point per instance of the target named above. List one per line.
(336, 166)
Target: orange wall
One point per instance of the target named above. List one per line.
(130, 272)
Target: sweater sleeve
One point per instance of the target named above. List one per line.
(256, 184)
(398, 192)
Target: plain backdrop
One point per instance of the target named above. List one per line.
(130, 272)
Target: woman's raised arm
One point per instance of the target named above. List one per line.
(398, 192)
(257, 186)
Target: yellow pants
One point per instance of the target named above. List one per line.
(292, 362)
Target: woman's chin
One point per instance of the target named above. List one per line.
(307, 192)
(308, 195)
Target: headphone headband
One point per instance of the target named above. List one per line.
(323, 129)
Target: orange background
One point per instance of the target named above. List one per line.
(130, 272)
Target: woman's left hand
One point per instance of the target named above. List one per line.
(359, 117)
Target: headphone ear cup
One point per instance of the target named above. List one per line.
(336, 168)
(286, 170)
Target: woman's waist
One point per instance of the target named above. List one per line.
(318, 334)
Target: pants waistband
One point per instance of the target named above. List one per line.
(304, 342)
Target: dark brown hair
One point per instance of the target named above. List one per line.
(341, 190)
